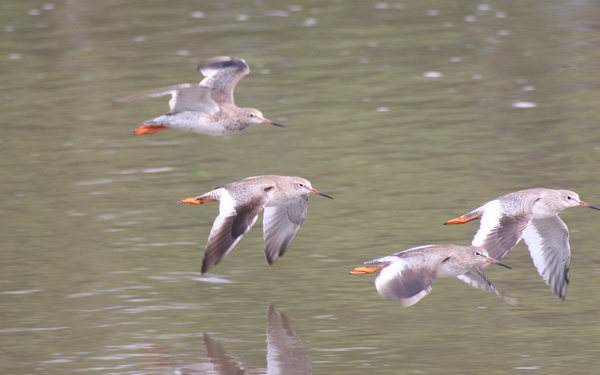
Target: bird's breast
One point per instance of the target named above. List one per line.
(451, 269)
(543, 210)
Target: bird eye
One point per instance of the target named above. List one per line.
(569, 197)
(252, 115)
(478, 253)
(300, 184)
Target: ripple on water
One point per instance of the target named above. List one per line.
(173, 306)
(167, 243)
(34, 329)
(107, 217)
(279, 13)
(433, 74)
(99, 291)
(58, 360)
(524, 105)
(26, 291)
(95, 182)
(309, 22)
(212, 279)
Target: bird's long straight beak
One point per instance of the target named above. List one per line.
(267, 121)
(315, 191)
(491, 260)
(583, 204)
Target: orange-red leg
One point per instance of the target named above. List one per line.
(197, 200)
(148, 129)
(364, 270)
(460, 220)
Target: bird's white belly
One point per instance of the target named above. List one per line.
(450, 270)
(194, 122)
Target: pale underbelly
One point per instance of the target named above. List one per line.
(196, 123)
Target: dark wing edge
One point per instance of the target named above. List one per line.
(222, 75)
(500, 234)
(227, 230)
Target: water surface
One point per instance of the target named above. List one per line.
(409, 114)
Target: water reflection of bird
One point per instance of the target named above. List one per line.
(408, 276)
(531, 214)
(285, 353)
(284, 199)
(207, 107)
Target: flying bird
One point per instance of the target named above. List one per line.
(531, 214)
(206, 107)
(407, 276)
(284, 200)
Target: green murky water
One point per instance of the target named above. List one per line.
(409, 113)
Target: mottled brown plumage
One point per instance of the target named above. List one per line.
(207, 107)
(408, 276)
(284, 200)
(531, 214)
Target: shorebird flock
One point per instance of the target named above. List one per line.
(407, 276)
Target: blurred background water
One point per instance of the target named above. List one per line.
(408, 113)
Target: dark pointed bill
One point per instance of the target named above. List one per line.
(315, 191)
(267, 121)
(491, 260)
(583, 204)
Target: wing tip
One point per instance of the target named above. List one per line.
(205, 267)
(512, 301)
(272, 256)
(221, 62)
